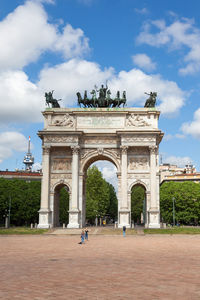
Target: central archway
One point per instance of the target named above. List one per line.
(92, 162)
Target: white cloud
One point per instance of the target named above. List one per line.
(23, 38)
(73, 76)
(178, 160)
(142, 11)
(72, 42)
(167, 137)
(79, 75)
(180, 136)
(25, 34)
(37, 167)
(135, 82)
(10, 142)
(193, 127)
(178, 35)
(21, 100)
(143, 61)
(24, 100)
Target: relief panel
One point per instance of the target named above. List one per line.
(138, 163)
(61, 164)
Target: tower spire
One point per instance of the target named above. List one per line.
(28, 158)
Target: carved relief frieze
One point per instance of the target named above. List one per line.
(60, 139)
(136, 121)
(61, 176)
(63, 164)
(138, 176)
(97, 141)
(138, 151)
(138, 163)
(138, 138)
(65, 120)
(61, 152)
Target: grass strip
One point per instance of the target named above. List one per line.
(22, 230)
(175, 230)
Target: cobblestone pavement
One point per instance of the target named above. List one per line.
(105, 267)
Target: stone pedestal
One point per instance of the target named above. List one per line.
(154, 219)
(124, 219)
(44, 216)
(73, 219)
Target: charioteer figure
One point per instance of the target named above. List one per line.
(103, 100)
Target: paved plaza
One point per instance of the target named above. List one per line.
(106, 267)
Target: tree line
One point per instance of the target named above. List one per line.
(23, 200)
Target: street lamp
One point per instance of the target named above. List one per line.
(173, 211)
(9, 209)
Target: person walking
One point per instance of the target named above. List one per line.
(82, 237)
(124, 230)
(86, 234)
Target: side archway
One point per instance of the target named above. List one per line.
(60, 203)
(138, 203)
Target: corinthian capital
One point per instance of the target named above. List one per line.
(75, 149)
(124, 149)
(153, 149)
(45, 150)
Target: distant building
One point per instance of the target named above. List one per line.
(173, 173)
(27, 176)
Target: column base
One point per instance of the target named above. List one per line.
(154, 219)
(44, 219)
(124, 219)
(74, 219)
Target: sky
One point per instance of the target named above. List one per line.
(71, 45)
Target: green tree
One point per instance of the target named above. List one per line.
(113, 203)
(137, 202)
(64, 206)
(97, 194)
(187, 202)
(25, 201)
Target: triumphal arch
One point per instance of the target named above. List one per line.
(74, 138)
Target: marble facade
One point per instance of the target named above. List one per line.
(74, 138)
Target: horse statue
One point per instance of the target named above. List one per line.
(80, 100)
(94, 101)
(50, 100)
(151, 101)
(103, 99)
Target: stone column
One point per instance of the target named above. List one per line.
(44, 204)
(124, 211)
(154, 220)
(74, 211)
(81, 206)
